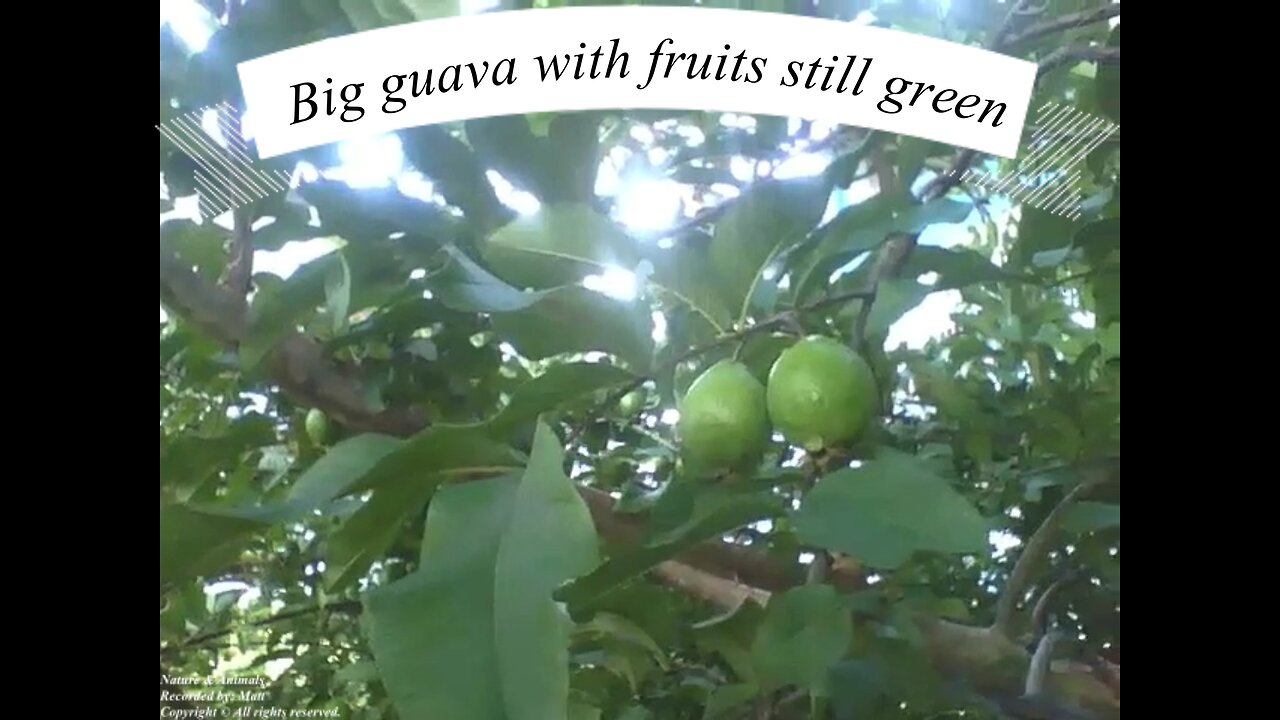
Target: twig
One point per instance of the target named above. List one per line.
(1039, 668)
(1037, 548)
(1018, 10)
(888, 263)
(1040, 615)
(240, 261)
(1060, 23)
(1062, 56)
(350, 606)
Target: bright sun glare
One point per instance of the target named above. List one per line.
(644, 205)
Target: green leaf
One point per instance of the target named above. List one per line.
(956, 267)
(1038, 231)
(559, 384)
(911, 156)
(1090, 516)
(199, 246)
(190, 460)
(888, 669)
(337, 294)
(575, 319)
(683, 271)
(361, 671)
(438, 453)
(458, 175)
(333, 475)
(507, 144)
(431, 9)
(888, 509)
(198, 540)
(616, 627)
(863, 227)
(1109, 341)
(894, 298)
(853, 232)
(465, 286)
(558, 245)
(730, 636)
(1098, 240)
(474, 633)
(551, 539)
(582, 711)
(728, 697)
(278, 307)
(806, 631)
(432, 632)
(370, 531)
(766, 220)
(1106, 297)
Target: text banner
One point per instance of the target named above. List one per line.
(634, 57)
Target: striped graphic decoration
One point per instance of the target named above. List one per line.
(225, 176)
(1048, 176)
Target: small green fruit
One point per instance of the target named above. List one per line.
(821, 394)
(317, 426)
(724, 423)
(631, 403)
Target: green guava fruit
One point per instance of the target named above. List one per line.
(821, 394)
(631, 403)
(724, 422)
(317, 426)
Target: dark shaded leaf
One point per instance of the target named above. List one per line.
(956, 267)
(575, 319)
(465, 286)
(1107, 83)
(198, 540)
(557, 385)
(806, 631)
(765, 221)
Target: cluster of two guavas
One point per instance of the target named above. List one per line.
(819, 394)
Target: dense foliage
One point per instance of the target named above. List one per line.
(435, 472)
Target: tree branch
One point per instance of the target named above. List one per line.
(1036, 550)
(1039, 668)
(239, 274)
(298, 364)
(723, 559)
(721, 592)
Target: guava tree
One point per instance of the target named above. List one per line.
(447, 470)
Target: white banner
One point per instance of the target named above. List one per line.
(634, 57)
